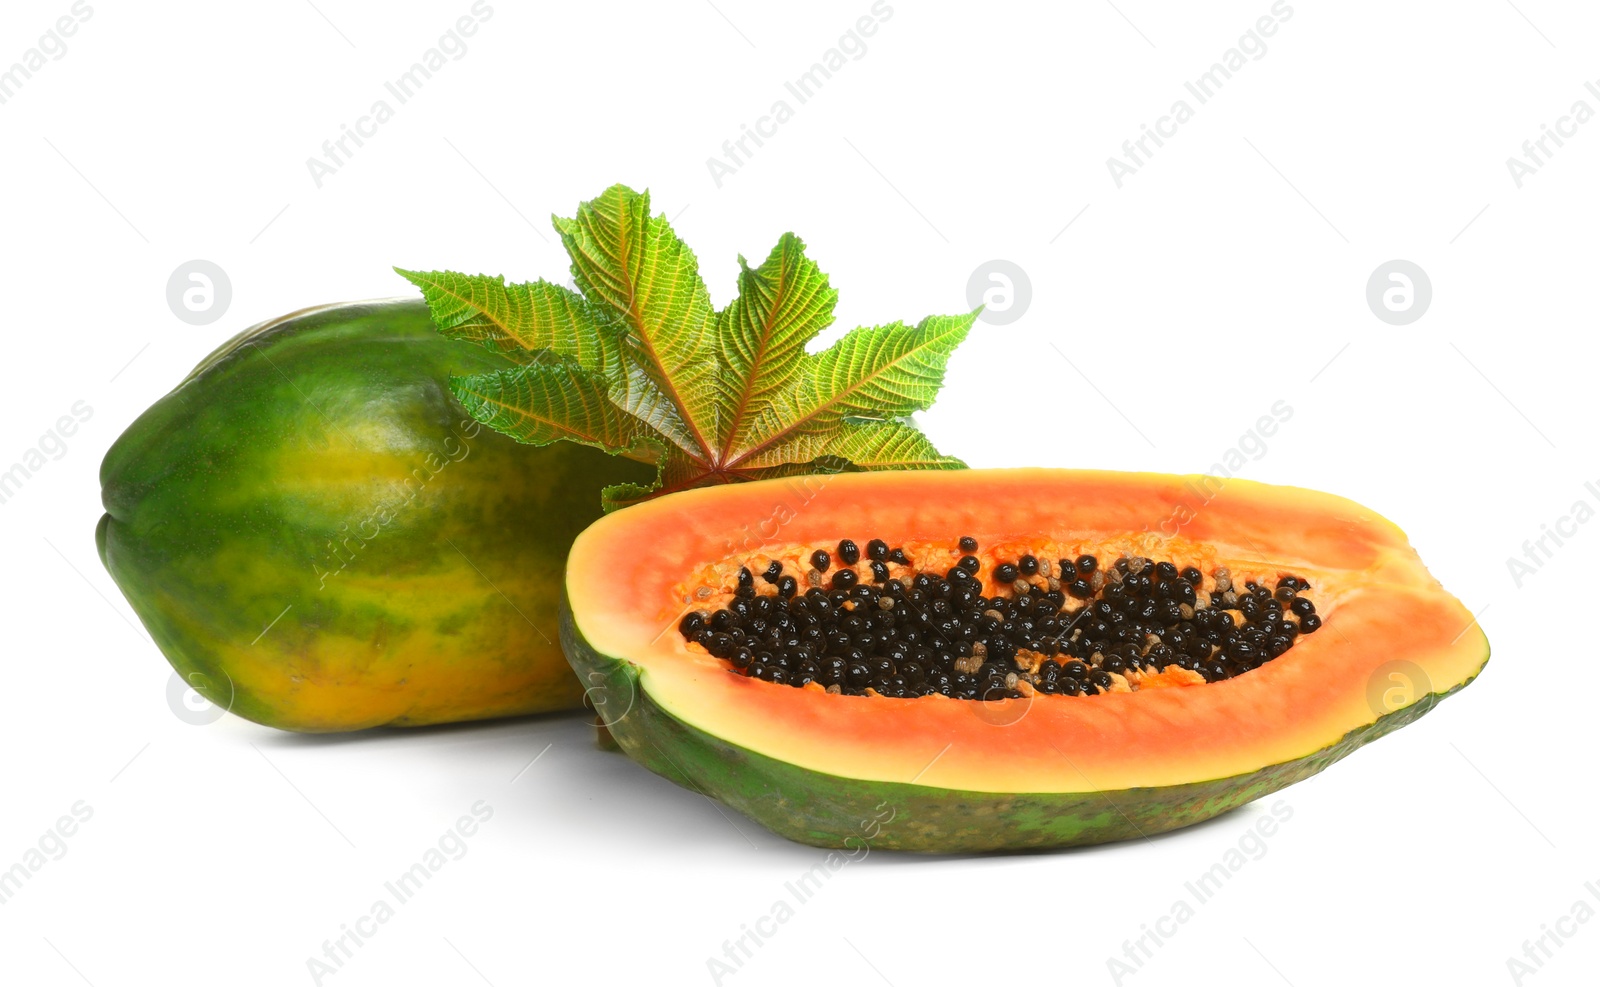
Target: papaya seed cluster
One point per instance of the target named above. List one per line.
(877, 624)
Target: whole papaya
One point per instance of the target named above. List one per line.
(320, 538)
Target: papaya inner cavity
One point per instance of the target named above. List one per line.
(908, 621)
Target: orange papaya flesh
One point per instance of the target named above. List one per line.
(1033, 771)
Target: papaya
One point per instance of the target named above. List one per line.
(320, 538)
(988, 660)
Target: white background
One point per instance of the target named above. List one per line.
(1227, 274)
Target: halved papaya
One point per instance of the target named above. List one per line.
(1223, 640)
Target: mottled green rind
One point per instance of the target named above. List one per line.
(227, 496)
(830, 811)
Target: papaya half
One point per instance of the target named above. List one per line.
(1001, 659)
(320, 538)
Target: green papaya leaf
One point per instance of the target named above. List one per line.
(865, 445)
(782, 305)
(547, 402)
(882, 372)
(639, 363)
(646, 283)
(516, 320)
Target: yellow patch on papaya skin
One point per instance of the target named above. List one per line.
(316, 678)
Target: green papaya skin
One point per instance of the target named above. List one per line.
(319, 538)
